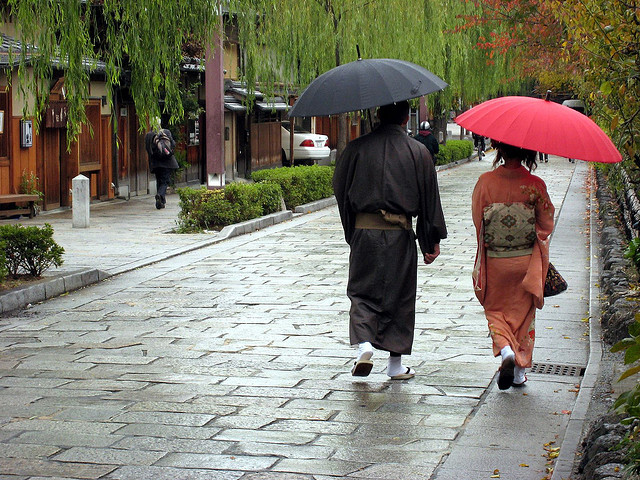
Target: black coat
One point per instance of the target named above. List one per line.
(156, 160)
(428, 140)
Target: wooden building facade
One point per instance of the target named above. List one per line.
(44, 152)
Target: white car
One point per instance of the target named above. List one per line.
(308, 147)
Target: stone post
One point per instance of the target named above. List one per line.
(80, 203)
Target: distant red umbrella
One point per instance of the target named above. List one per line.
(541, 125)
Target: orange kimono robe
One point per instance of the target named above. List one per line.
(510, 289)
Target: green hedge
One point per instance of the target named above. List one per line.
(213, 209)
(453, 151)
(301, 184)
(29, 250)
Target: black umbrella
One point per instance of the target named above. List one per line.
(365, 84)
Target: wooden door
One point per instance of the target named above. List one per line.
(123, 152)
(52, 184)
(138, 156)
(265, 145)
(193, 159)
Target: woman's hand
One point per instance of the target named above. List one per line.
(430, 257)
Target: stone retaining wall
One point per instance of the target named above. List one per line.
(618, 273)
(601, 459)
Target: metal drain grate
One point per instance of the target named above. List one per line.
(556, 369)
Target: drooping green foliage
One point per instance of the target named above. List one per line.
(145, 38)
(285, 44)
(297, 40)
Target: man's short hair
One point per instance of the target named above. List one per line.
(394, 113)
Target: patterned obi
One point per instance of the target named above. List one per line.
(509, 229)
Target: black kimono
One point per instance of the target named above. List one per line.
(386, 170)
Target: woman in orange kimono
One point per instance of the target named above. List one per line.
(513, 216)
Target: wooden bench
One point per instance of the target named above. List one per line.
(17, 198)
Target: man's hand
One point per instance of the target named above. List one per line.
(430, 257)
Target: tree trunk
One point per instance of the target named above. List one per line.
(343, 133)
(439, 125)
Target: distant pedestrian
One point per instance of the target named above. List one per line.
(544, 157)
(513, 216)
(426, 137)
(381, 181)
(160, 146)
(479, 144)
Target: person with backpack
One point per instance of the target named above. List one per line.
(160, 145)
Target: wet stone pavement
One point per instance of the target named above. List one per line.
(233, 362)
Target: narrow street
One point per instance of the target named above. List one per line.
(232, 362)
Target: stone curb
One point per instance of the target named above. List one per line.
(563, 467)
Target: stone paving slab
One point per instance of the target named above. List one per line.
(231, 361)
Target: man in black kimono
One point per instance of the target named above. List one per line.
(381, 181)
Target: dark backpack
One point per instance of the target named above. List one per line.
(162, 144)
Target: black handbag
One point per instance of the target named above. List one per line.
(554, 283)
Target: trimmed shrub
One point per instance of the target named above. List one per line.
(211, 209)
(300, 185)
(453, 151)
(31, 250)
(3, 262)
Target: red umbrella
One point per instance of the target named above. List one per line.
(541, 125)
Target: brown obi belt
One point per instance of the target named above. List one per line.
(383, 220)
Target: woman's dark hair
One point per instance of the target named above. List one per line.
(394, 113)
(527, 157)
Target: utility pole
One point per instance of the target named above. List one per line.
(214, 100)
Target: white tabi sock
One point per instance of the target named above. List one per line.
(519, 375)
(394, 367)
(365, 351)
(507, 352)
